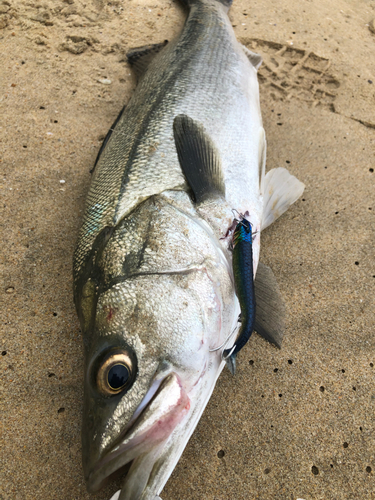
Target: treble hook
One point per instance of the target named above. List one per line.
(234, 210)
(224, 358)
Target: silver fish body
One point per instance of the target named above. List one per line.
(206, 75)
(153, 282)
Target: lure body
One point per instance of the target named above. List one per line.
(244, 283)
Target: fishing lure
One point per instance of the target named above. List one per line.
(244, 284)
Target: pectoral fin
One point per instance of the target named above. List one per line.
(199, 159)
(270, 307)
(116, 496)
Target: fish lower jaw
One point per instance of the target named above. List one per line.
(142, 445)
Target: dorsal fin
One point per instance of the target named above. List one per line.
(255, 59)
(270, 307)
(139, 58)
(106, 139)
(199, 159)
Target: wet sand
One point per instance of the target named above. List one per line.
(294, 423)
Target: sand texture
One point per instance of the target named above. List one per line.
(295, 423)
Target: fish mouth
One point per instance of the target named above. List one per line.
(142, 444)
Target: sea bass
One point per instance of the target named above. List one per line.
(153, 281)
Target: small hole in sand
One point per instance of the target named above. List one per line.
(321, 388)
(220, 453)
(315, 470)
(345, 445)
(368, 469)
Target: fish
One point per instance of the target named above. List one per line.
(153, 279)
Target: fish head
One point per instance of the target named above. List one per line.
(150, 370)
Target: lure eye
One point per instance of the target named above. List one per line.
(115, 373)
(246, 224)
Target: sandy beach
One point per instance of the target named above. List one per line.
(295, 423)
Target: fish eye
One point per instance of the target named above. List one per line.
(115, 373)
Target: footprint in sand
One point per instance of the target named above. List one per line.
(295, 73)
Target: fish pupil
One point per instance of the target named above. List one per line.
(118, 375)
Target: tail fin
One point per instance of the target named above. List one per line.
(189, 3)
(280, 189)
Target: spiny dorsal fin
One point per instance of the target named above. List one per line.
(199, 158)
(270, 311)
(139, 58)
(255, 59)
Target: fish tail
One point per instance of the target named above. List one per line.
(189, 3)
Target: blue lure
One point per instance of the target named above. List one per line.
(244, 285)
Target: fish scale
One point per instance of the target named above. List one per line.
(140, 159)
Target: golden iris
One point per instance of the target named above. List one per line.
(114, 373)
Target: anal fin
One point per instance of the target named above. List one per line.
(270, 311)
(199, 159)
